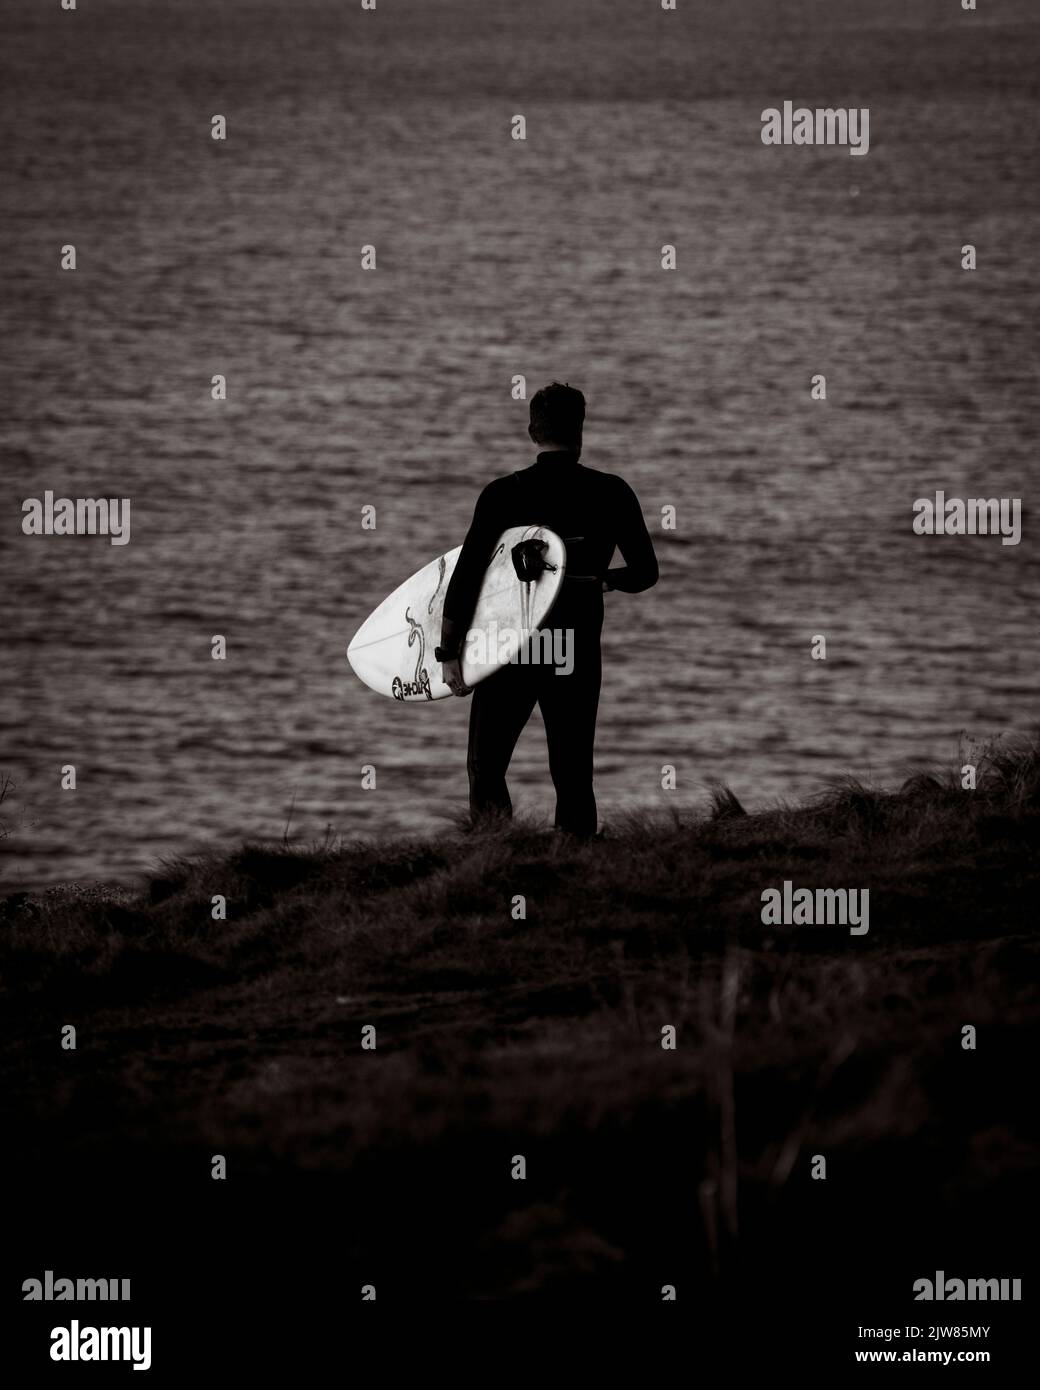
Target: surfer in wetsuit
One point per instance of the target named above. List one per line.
(593, 512)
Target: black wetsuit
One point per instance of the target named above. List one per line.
(593, 512)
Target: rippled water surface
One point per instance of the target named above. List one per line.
(392, 388)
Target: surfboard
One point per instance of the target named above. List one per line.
(392, 650)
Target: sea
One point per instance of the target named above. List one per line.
(399, 389)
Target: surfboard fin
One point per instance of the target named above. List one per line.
(529, 559)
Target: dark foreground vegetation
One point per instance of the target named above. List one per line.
(542, 1038)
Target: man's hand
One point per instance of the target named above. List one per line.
(452, 673)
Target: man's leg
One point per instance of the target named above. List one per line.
(569, 705)
(500, 708)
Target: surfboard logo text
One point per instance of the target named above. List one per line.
(408, 690)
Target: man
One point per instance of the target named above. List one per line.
(593, 512)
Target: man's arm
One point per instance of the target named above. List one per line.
(464, 585)
(640, 570)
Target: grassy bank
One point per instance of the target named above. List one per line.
(542, 1037)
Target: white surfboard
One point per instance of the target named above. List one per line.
(392, 650)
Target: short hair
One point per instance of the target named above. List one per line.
(558, 413)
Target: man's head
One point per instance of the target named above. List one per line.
(557, 415)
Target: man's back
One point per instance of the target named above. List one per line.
(591, 510)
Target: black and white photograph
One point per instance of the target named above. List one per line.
(519, 738)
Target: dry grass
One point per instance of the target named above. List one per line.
(543, 1036)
